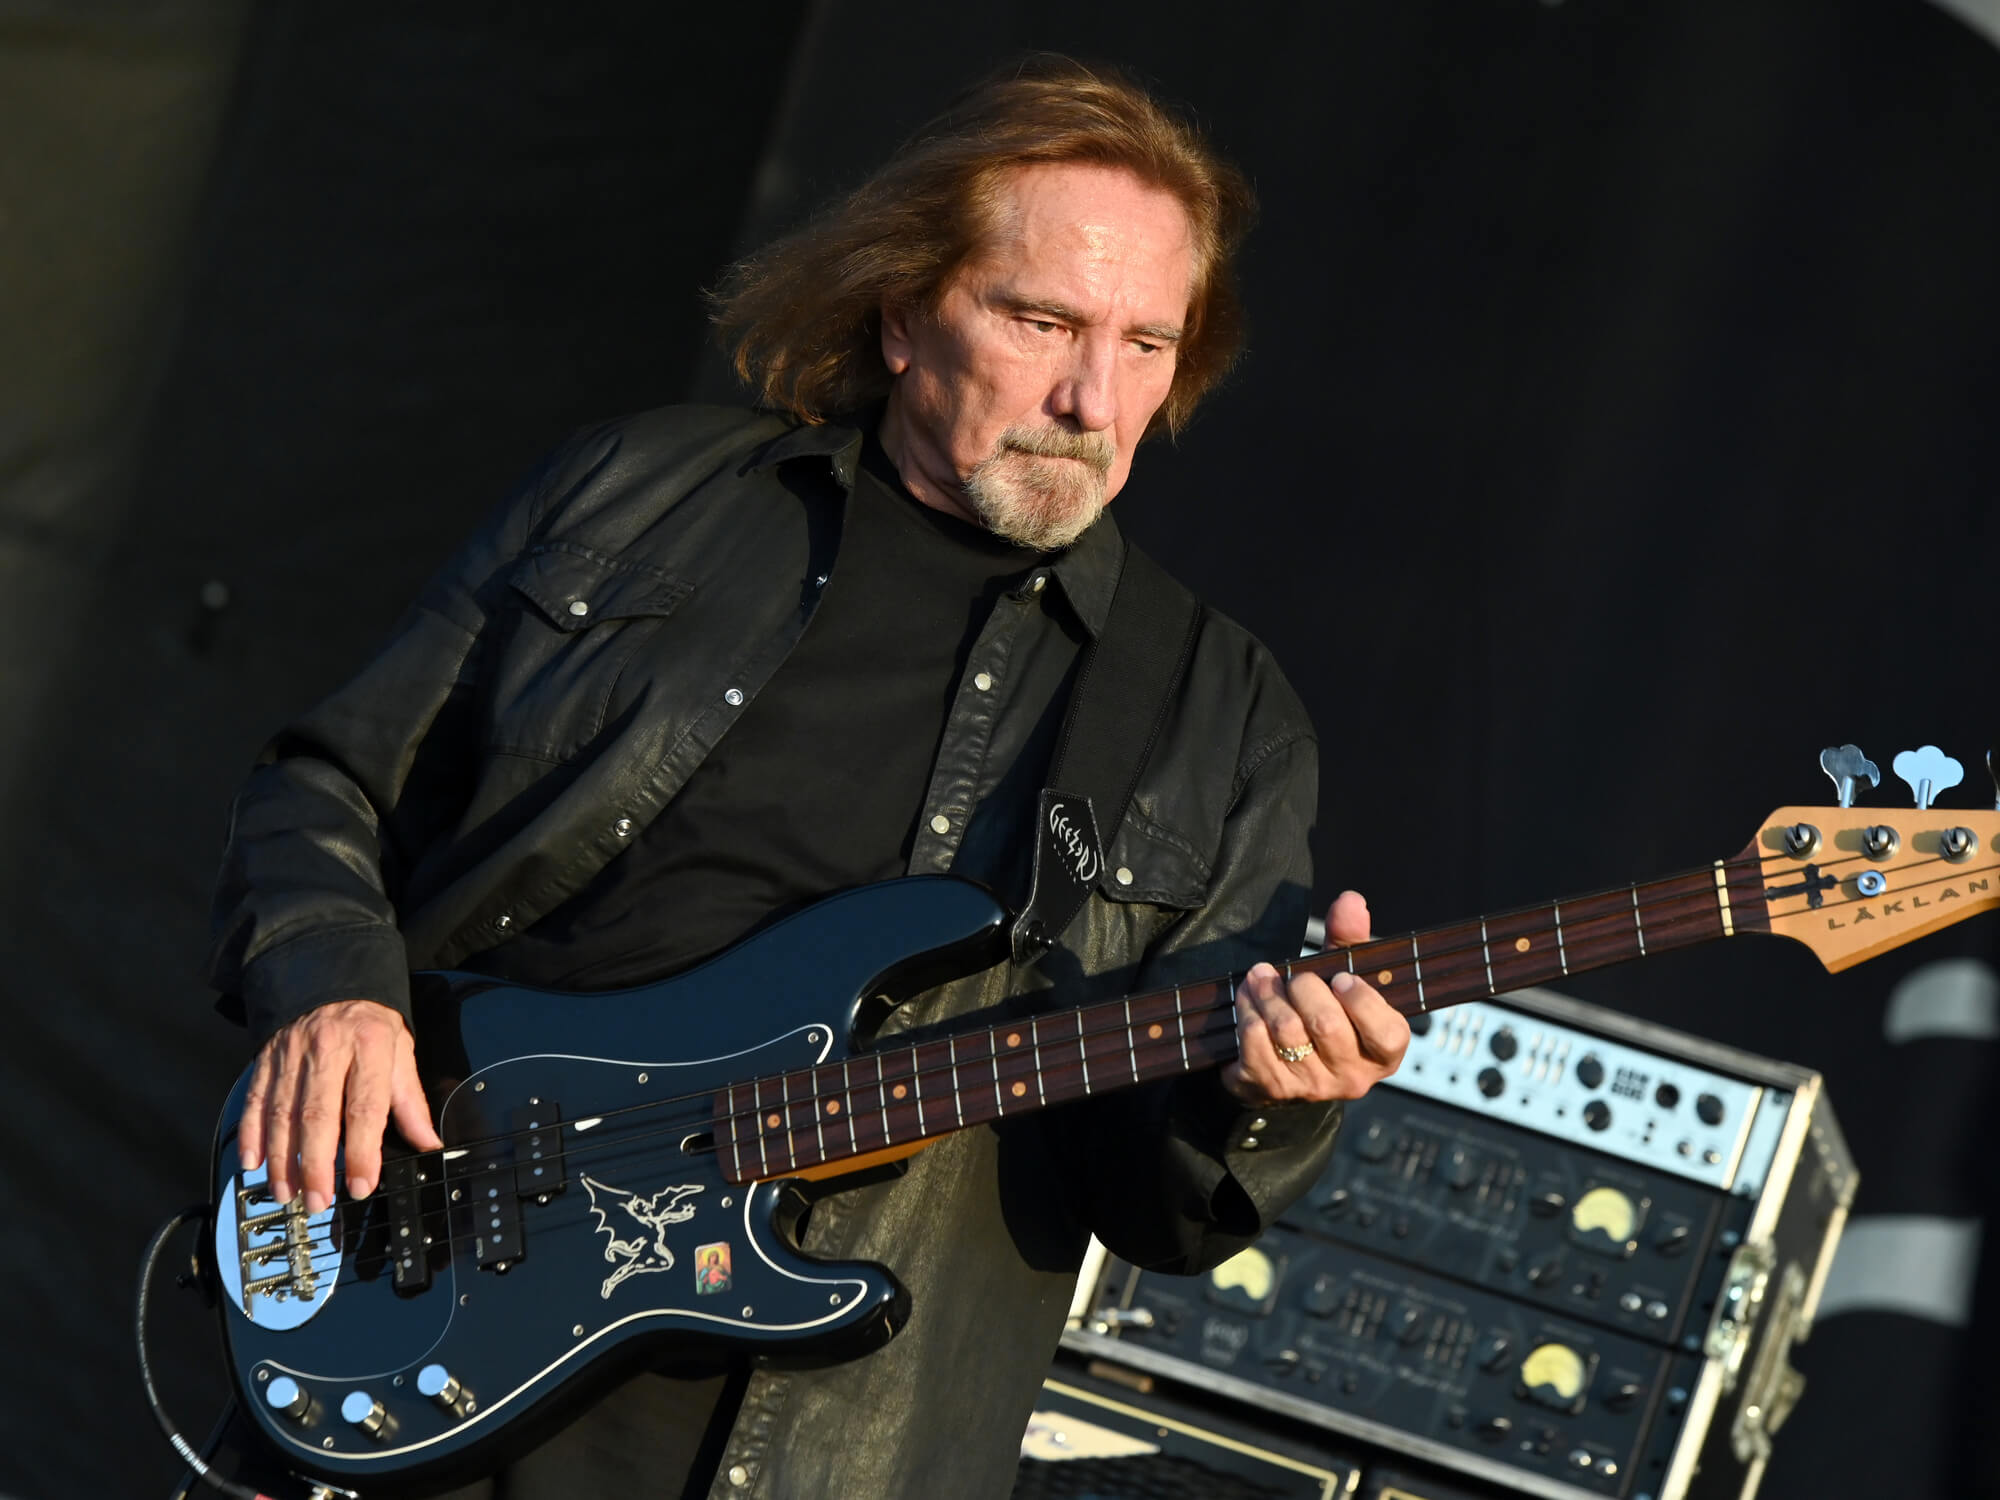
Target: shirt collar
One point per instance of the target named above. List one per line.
(1086, 571)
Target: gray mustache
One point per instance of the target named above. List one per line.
(1092, 448)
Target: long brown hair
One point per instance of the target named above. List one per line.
(802, 317)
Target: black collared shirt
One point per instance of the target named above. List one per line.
(820, 784)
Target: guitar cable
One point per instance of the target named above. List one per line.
(182, 1446)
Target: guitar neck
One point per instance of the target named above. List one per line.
(891, 1101)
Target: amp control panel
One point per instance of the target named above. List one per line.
(1660, 1112)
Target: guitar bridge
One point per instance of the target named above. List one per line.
(277, 1260)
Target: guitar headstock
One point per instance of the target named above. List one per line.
(1854, 882)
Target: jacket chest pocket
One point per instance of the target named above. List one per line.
(574, 621)
(1151, 879)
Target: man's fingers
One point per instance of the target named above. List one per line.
(1382, 1031)
(411, 1109)
(280, 1117)
(319, 1117)
(1347, 920)
(250, 1128)
(365, 1113)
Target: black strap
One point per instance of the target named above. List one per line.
(1128, 678)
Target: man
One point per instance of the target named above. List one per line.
(710, 665)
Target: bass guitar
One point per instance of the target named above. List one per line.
(620, 1170)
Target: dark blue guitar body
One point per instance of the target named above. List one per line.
(579, 1224)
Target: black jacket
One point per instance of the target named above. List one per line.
(506, 744)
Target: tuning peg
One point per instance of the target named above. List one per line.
(1847, 765)
(1928, 771)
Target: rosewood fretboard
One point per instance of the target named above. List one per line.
(901, 1096)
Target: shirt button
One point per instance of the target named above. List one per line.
(1123, 876)
(738, 1475)
(1260, 1123)
(1249, 1143)
(579, 608)
(622, 827)
(982, 681)
(503, 920)
(734, 697)
(1041, 581)
(940, 824)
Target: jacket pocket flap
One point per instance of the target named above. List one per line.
(575, 588)
(1147, 864)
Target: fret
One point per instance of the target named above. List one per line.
(917, 1088)
(1638, 922)
(1486, 951)
(785, 1112)
(819, 1123)
(993, 1054)
(1562, 952)
(1131, 1042)
(763, 1140)
(1082, 1050)
(957, 1098)
(1417, 969)
(847, 1104)
(1035, 1041)
(1180, 1025)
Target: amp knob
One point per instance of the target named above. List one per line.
(1708, 1109)
(1596, 1114)
(1590, 1072)
(1504, 1044)
(1491, 1083)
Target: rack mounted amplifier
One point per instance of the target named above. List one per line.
(1562, 1253)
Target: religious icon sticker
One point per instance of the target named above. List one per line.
(711, 1268)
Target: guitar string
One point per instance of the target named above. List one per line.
(1221, 999)
(1696, 905)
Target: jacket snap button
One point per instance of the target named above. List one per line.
(1041, 582)
(503, 920)
(982, 682)
(622, 827)
(738, 1475)
(579, 607)
(1123, 876)
(940, 824)
(734, 697)
(1249, 1143)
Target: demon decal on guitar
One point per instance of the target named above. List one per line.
(634, 1257)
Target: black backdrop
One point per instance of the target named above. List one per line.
(1616, 432)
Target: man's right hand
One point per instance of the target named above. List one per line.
(343, 1068)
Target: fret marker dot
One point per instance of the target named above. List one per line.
(1013, 1038)
(1020, 1089)
(833, 1106)
(1385, 976)
(1521, 945)
(1154, 1031)
(772, 1121)
(899, 1091)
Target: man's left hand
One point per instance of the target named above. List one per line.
(1346, 1038)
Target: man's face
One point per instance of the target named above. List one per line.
(1019, 404)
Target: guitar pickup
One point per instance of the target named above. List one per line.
(538, 1151)
(403, 1184)
(495, 1213)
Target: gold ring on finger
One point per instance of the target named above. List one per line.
(1295, 1054)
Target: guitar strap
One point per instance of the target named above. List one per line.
(1128, 677)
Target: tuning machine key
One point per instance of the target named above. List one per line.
(1847, 765)
(1928, 772)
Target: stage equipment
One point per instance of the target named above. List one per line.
(1562, 1253)
(1093, 1438)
